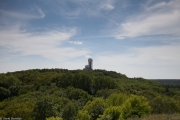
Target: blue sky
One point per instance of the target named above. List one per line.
(139, 38)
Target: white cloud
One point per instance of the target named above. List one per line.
(47, 44)
(83, 7)
(107, 5)
(35, 14)
(42, 14)
(88, 56)
(143, 62)
(75, 42)
(161, 18)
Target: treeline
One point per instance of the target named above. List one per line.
(85, 82)
(56, 94)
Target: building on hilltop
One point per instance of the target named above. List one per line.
(90, 64)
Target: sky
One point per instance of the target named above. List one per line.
(138, 38)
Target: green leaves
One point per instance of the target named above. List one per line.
(136, 106)
(4, 93)
(83, 115)
(164, 105)
(99, 83)
(81, 81)
(22, 110)
(8, 81)
(116, 99)
(69, 112)
(111, 113)
(54, 118)
(44, 108)
(95, 107)
(125, 107)
(85, 82)
(9, 86)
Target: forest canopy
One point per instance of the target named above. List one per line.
(61, 94)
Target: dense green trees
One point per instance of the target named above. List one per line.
(54, 118)
(4, 93)
(44, 108)
(135, 106)
(7, 81)
(9, 86)
(95, 107)
(83, 115)
(164, 105)
(56, 94)
(99, 83)
(17, 109)
(69, 112)
(125, 107)
(85, 82)
(112, 113)
(117, 99)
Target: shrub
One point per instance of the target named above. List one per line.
(135, 106)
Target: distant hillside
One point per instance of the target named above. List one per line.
(56, 94)
(175, 82)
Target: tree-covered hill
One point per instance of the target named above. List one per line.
(171, 82)
(56, 94)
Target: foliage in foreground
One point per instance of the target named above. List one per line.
(158, 117)
(56, 94)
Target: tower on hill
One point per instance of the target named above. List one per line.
(90, 64)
